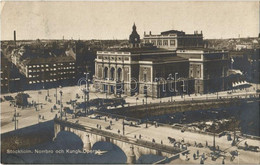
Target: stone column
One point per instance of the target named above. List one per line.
(86, 143)
(131, 158)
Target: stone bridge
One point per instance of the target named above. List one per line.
(132, 147)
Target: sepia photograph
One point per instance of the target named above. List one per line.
(130, 82)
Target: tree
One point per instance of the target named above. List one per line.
(21, 99)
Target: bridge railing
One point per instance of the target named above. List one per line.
(160, 147)
(188, 100)
(139, 142)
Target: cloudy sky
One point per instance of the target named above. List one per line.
(114, 20)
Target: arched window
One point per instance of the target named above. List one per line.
(105, 72)
(119, 74)
(112, 72)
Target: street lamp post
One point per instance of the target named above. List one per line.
(183, 89)
(170, 78)
(123, 127)
(56, 96)
(175, 89)
(60, 104)
(38, 102)
(86, 93)
(105, 86)
(146, 109)
(214, 138)
(158, 85)
(188, 87)
(15, 119)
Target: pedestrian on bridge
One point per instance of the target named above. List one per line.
(118, 131)
(161, 142)
(140, 136)
(203, 156)
(194, 156)
(97, 125)
(201, 161)
(198, 153)
(111, 122)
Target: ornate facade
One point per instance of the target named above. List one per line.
(138, 71)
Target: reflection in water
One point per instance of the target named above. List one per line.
(149, 159)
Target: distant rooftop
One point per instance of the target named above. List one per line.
(172, 32)
(159, 59)
(201, 49)
(49, 60)
(144, 50)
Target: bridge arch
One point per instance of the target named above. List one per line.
(66, 136)
(132, 147)
(82, 135)
(113, 149)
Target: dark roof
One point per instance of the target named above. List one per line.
(49, 60)
(144, 50)
(172, 32)
(202, 49)
(159, 59)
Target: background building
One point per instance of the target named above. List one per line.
(47, 72)
(5, 70)
(174, 39)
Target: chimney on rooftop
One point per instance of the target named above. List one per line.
(150, 33)
(15, 39)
